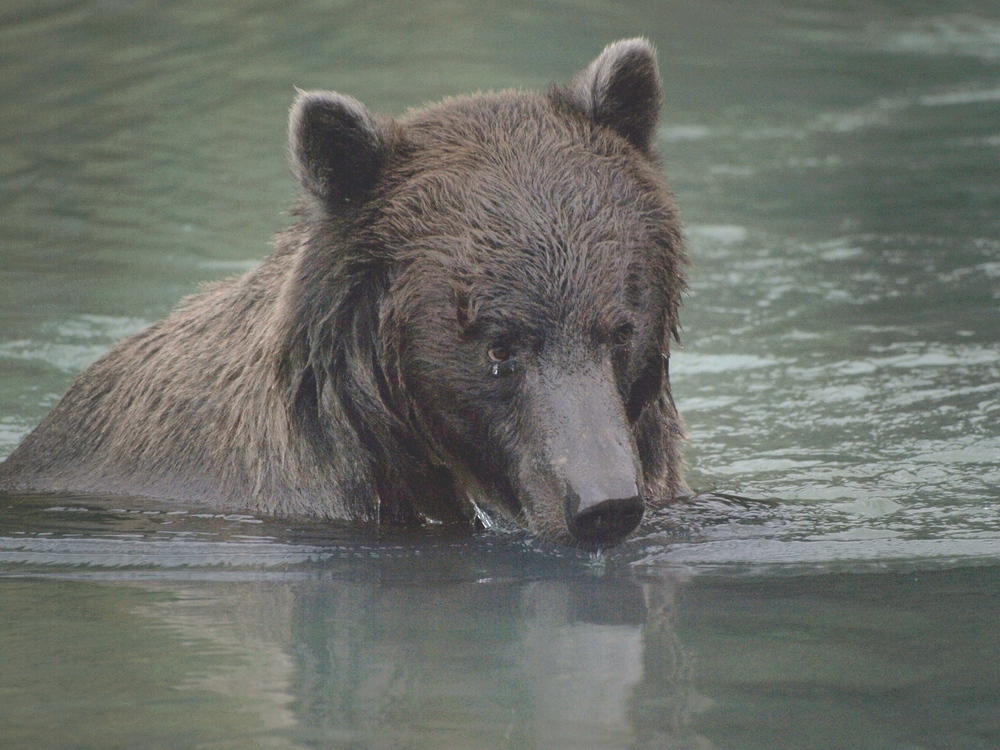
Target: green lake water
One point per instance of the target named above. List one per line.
(838, 170)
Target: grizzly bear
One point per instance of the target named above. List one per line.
(470, 319)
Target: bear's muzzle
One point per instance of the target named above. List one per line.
(593, 453)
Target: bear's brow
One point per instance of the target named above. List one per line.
(500, 324)
(529, 324)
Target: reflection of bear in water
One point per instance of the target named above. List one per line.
(566, 661)
(475, 307)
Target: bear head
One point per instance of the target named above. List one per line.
(485, 298)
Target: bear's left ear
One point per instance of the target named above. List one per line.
(621, 90)
(338, 148)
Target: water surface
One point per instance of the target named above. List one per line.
(838, 169)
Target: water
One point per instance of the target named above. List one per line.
(838, 166)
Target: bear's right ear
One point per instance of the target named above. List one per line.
(338, 148)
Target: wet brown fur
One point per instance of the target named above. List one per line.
(309, 385)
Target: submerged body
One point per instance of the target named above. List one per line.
(474, 309)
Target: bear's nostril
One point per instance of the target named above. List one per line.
(608, 522)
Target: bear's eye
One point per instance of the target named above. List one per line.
(621, 337)
(500, 353)
(502, 362)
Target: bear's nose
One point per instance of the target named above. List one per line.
(605, 521)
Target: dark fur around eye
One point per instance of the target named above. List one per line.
(645, 388)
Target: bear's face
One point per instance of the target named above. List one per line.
(530, 321)
(528, 267)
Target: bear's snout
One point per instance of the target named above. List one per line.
(604, 522)
(592, 452)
